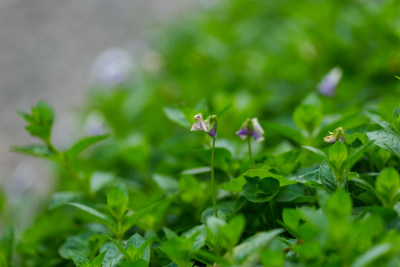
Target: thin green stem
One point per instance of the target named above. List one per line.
(250, 154)
(212, 179)
(63, 161)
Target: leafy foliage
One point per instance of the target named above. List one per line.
(141, 195)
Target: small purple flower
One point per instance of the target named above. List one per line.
(208, 126)
(327, 86)
(251, 127)
(335, 136)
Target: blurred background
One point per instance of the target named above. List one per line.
(114, 66)
(47, 52)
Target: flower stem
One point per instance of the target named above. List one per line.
(212, 179)
(250, 155)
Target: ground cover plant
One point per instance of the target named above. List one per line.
(235, 148)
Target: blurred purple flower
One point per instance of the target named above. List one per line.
(94, 123)
(327, 86)
(208, 126)
(251, 128)
(112, 67)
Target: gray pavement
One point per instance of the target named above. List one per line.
(47, 48)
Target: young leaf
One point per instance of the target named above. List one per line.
(338, 154)
(97, 262)
(318, 152)
(137, 241)
(83, 144)
(133, 218)
(307, 117)
(119, 246)
(117, 202)
(177, 116)
(97, 214)
(37, 150)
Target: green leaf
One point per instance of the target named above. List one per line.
(79, 259)
(339, 204)
(117, 202)
(327, 178)
(260, 190)
(119, 246)
(168, 184)
(177, 116)
(37, 150)
(98, 261)
(338, 154)
(387, 118)
(371, 255)
(307, 117)
(291, 220)
(40, 121)
(75, 243)
(62, 198)
(290, 133)
(83, 144)
(318, 152)
(97, 214)
(236, 184)
(137, 241)
(387, 140)
(112, 257)
(357, 154)
(233, 230)
(133, 218)
(253, 244)
(99, 179)
(6, 246)
(271, 258)
(198, 235)
(387, 184)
